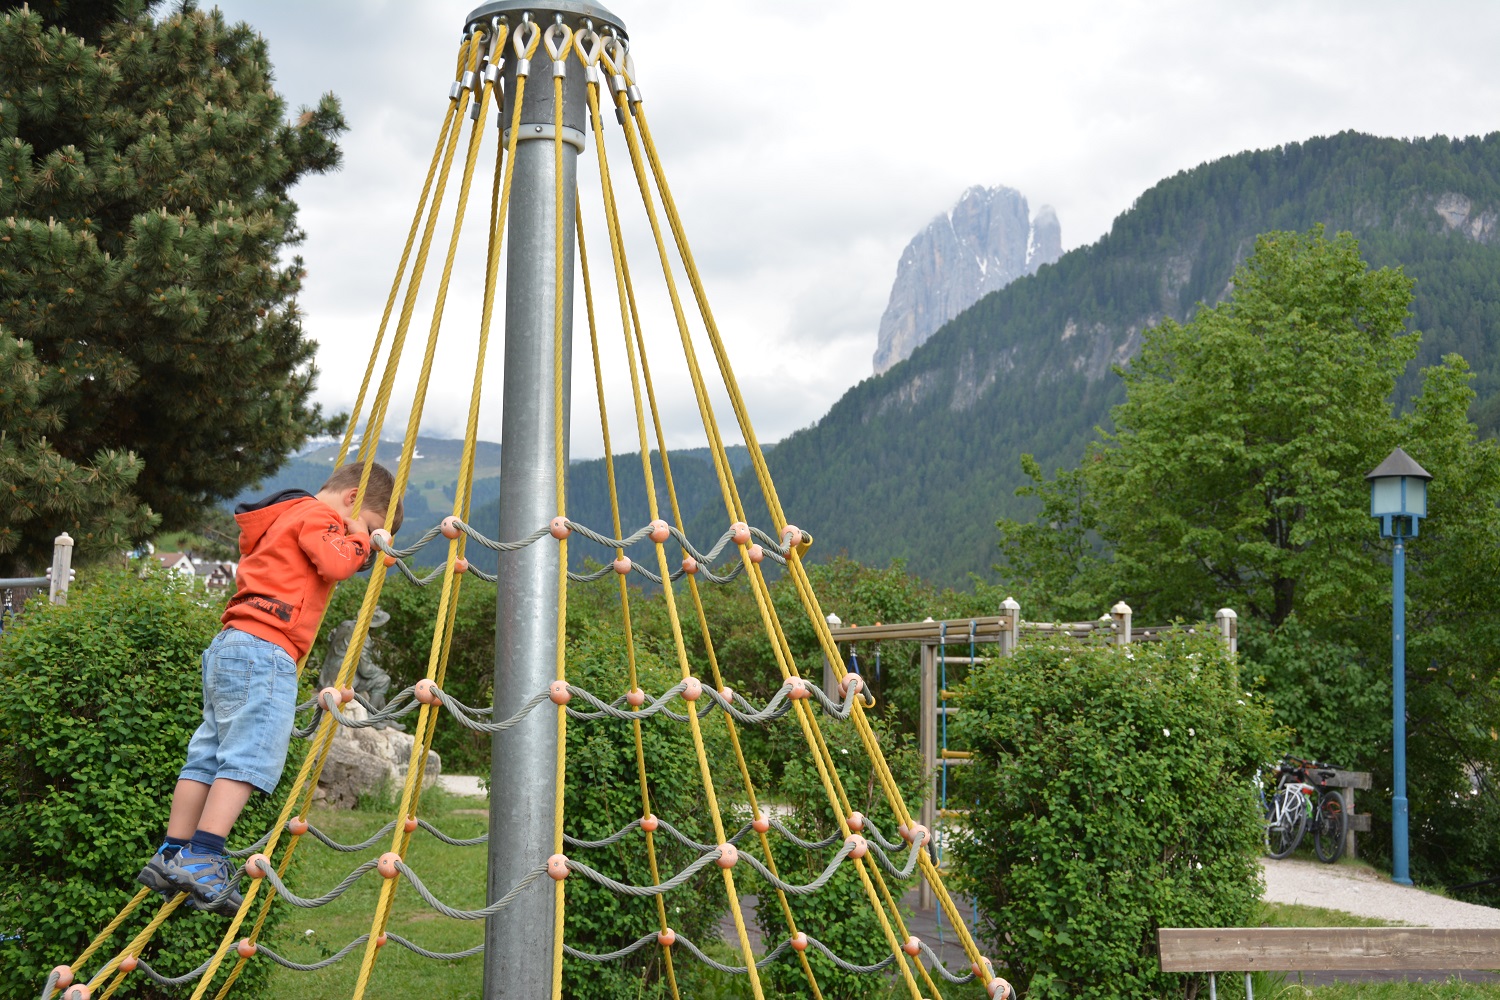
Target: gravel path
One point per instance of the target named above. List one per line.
(461, 784)
(1366, 893)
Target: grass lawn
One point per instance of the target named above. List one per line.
(454, 874)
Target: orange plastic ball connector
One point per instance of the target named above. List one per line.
(386, 866)
(427, 692)
(450, 527)
(557, 867)
(559, 528)
(660, 531)
(739, 533)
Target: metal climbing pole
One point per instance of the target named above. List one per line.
(518, 940)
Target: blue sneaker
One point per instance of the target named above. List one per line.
(154, 875)
(209, 879)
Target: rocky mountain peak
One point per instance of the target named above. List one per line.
(986, 241)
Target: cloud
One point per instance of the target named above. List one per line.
(806, 144)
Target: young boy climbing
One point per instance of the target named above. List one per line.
(294, 546)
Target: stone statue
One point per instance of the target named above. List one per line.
(370, 682)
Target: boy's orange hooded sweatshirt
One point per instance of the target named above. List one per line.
(293, 549)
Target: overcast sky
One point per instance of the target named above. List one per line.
(807, 142)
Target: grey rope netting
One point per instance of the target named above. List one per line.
(772, 549)
(708, 854)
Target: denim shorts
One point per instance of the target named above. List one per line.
(249, 703)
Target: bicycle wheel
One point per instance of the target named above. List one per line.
(1287, 825)
(1333, 824)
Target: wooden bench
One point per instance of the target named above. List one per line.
(1323, 949)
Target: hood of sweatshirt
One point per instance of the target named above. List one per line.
(256, 518)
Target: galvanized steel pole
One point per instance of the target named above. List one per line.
(518, 940)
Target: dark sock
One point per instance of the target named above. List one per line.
(171, 843)
(207, 843)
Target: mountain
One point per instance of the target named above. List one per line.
(918, 462)
(982, 244)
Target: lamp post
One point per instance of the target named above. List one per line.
(1398, 498)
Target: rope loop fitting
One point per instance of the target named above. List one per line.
(589, 46)
(524, 45)
(558, 39)
(495, 59)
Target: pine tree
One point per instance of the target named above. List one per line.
(152, 356)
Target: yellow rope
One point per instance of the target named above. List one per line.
(377, 574)
(732, 503)
(559, 463)
(630, 320)
(614, 509)
(390, 302)
(803, 585)
(425, 716)
(686, 671)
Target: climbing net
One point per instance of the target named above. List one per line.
(602, 57)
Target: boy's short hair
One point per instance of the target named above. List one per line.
(377, 491)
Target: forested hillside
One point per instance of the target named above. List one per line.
(919, 462)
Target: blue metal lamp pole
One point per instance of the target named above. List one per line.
(1398, 497)
(1399, 815)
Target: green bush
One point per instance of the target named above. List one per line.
(840, 914)
(1113, 796)
(97, 701)
(603, 795)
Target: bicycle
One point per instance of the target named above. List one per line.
(1329, 816)
(1298, 806)
(1285, 815)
